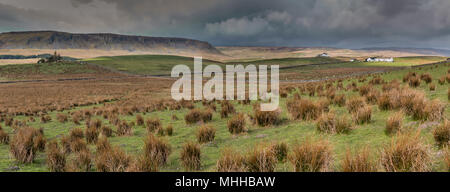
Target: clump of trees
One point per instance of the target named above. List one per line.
(56, 57)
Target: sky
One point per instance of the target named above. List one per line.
(294, 23)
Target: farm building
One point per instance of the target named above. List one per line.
(323, 55)
(376, 59)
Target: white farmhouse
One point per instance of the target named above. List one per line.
(323, 55)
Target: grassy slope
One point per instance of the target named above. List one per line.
(163, 64)
(45, 68)
(291, 132)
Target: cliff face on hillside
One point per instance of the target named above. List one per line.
(104, 41)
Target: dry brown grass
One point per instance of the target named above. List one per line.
(237, 124)
(156, 149)
(231, 161)
(139, 120)
(153, 124)
(26, 143)
(91, 134)
(447, 157)
(197, 115)
(329, 123)
(442, 133)
(124, 129)
(394, 123)
(205, 133)
(355, 103)
(266, 118)
(227, 108)
(113, 160)
(362, 115)
(261, 159)
(4, 137)
(191, 156)
(280, 150)
(56, 159)
(360, 161)
(311, 156)
(62, 117)
(304, 109)
(406, 153)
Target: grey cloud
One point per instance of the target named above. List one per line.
(349, 23)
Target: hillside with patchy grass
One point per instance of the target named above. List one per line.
(392, 121)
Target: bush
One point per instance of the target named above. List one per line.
(261, 159)
(363, 115)
(190, 156)
(280, 150)
(231, 161)
(360, 161)
(311, 156)
(442, 133)
(394, 123)
(304, 109)
(156, 149)
(406, 153)
(26, 143)
(153, 124)
(56, 159)
(205, 133)
(236, 124)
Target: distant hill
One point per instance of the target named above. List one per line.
(424, 51)
(102, 41)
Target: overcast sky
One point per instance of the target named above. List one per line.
(331, 23)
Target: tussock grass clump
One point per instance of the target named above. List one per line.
(139, 120)
(153, 124)
(280, 150)
(311, 156)
(434, 110)
(266, 118)
(56, 159)
(304, 109)
(78, 145)
(442, 133)
(103, 145)
(441, 80)
(4, 137)
(231, 161)
(237, 124)
(447, 157)
(197, 115)
(106, 131)
(414, 82)
(227, 108)
(82, 161)
(339, 100)
(61, 117)
(114, 160)
(363, 115)
(406, 153)
(190, 156)
(394, 123)
(432, 87)
(360, 161)
(91, 134)
(426, 77)
(169, 130)
(45, 118)
(124, 129)
(156, 149)
(355, 103)
(26, 143)
(365, 89)
(261, 159)
(329, 123)
(76, 133)
(205, 133)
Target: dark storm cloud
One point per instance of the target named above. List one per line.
(340, 23)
